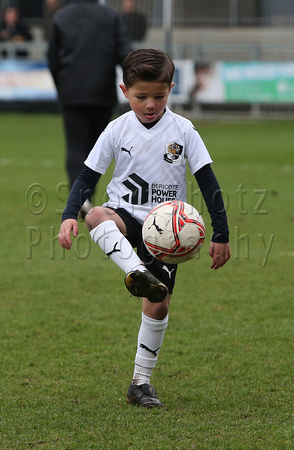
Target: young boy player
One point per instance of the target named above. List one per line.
(150, 146)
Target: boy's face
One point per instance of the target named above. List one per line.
(147, 99)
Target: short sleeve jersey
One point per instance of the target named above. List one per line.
(150, 164)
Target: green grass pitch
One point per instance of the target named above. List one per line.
(68, 327)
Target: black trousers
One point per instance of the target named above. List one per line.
(83, 124)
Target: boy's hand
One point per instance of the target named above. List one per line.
(64, 238)
(220, 254)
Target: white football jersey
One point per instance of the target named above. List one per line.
(150, 164)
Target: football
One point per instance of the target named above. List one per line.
(173, 232)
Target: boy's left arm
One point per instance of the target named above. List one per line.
(219, 249)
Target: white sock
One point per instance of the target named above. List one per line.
(116, 246)
(150, 339)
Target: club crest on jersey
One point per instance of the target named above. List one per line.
(173, 153)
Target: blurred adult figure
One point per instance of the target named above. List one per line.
(51, 6)
(87, 41)
(136, 22)
(13, 30)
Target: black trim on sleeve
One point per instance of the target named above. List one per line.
(211, 192)
(82, 189)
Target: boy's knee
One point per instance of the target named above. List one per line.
(99, 214)
(93, 218)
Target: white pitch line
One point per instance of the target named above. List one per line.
(286, 253)
(26, 162)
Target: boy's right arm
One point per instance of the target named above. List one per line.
(82, 189)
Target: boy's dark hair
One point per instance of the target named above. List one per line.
(147, 65)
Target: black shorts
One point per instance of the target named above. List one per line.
(166, 273)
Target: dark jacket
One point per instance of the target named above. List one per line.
(87, 41)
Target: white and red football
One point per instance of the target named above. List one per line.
(173, 232)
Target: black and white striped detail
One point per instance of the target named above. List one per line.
(139, 190)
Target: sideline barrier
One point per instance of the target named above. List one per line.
(250, 82)
(25, 81)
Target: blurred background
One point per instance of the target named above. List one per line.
(233, 55)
